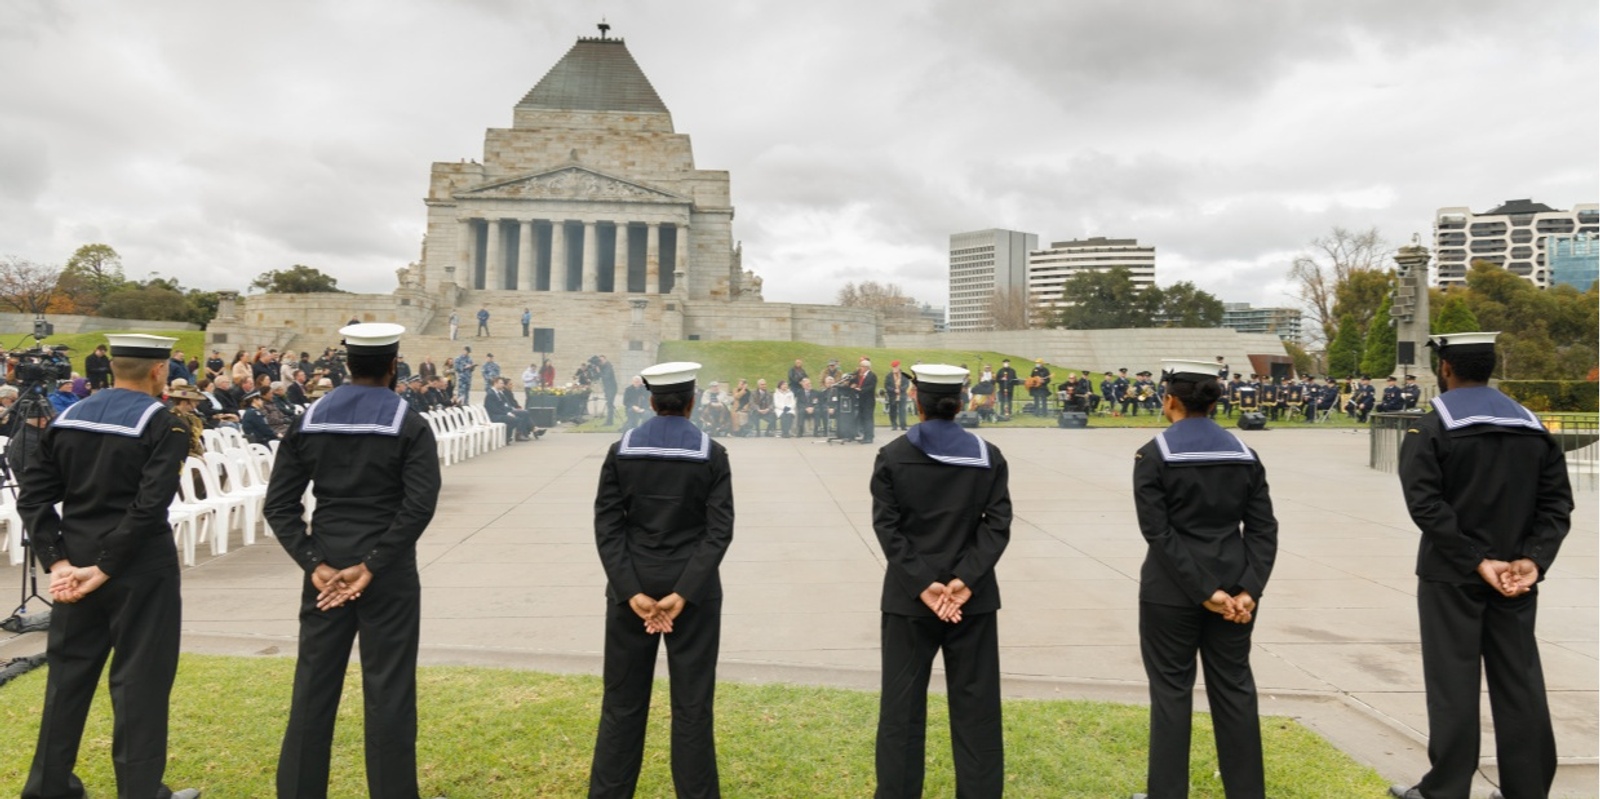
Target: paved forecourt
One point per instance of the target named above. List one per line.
(511, 578)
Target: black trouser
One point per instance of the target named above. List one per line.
(139, 617)
(1464, 626)
(866, 420)
(786, 423)
(525, 329)
(518, 423)
(1004, 399)
(1169, 637)
(630, 667)
(820, 423)
(388, 619)
(896, 406)
(1040, 401)
(611, 406)
(972, 682)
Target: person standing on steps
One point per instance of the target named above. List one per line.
(483, 321)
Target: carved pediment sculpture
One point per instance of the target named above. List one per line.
(571, 183)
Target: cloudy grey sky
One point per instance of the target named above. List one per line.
(215, 141)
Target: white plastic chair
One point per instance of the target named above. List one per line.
(243, 483)
(13, 522)
(212, 440)
(497, 430)
(221, 504)
(448, 439)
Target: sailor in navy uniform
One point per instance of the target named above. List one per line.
(1411, 392)
(1488, 488)
(1205, 511)
(374, 467)
(113, 462)
(663, 519)
(941, 507)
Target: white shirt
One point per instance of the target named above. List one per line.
(530, 377)
(783, 401)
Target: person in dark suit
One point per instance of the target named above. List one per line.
(941, 508)
(97, 367)
(374, 467)
(797, 373)
(1206, 514)
(1041, 392)
(805, 406)
(866, 387)
(635, 402)
(1005, 386)
(113, 463)
(663, 519)
(894, 395)
(1487, 486)
(501, 405)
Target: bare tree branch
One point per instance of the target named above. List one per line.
(1333, 259)
(27, 286)
(1010, 310)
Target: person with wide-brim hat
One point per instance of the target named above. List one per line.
(1206, 516)
(182, 400)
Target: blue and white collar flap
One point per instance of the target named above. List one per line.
(1201, 441)
(1464, 407)
(117, 411)
(668, 438)
(353, 410)
(947, 442)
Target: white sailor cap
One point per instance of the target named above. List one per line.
(1188, 369)
(936, 378)
(666, 378)
(1452, 340)
(140, 345)
(372, 338)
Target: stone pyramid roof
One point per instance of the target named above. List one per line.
(596, 75)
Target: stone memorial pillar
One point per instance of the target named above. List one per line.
(494, 261)
(1409, 311)
(591, 256)
(469, 243)
(652, 258)
(619, 269)
(558, 255)
(227, 306)
(525, 255)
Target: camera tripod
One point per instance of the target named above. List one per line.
(31, 404)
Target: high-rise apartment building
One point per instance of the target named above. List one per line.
(1512, 235)
(1281, 322)
(1049, 269)
(983, 263)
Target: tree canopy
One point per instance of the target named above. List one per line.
(92, 274)
(1344, 352)
(1331, 279)
(1109, 299)
(297, 279)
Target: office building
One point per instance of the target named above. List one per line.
(1512, 235)
(983, 263)
(1574, 260)
(935, 314)
(1281, 322)
(1049, 269)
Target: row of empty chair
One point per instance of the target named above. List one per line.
(464, 432)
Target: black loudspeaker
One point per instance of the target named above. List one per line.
(967, 419)
(1405, 352)
(1252, 421)
(544, 339)
(1072, 420)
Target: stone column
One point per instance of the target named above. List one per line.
(525, 259)
(652, 259)
(680, 264)
(591, 257)
(227, 306)
(494, 267)
(619, 270)
(558, 255)
(469, 241)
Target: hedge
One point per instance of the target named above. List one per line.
(1554, 395)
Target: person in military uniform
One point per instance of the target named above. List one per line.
(1411, 393)
(113, 461)
(1364, 399)
(1005, 386)
(894, 395)
(373, 466)
(1392, 400)
(941, 507)
(1206, 515)
(1487, 486)
(663, 519)
(182, 399)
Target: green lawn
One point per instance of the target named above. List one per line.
(192, 342)
(502, 733)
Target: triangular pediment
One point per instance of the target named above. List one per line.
(570, 183)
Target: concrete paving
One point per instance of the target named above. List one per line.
(511, 579)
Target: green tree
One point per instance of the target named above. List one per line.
(93, 273)
(157, 301)
(1378, 352)
(298, 279)
(1344, 353)
(1183, 305)
(1304, 364)
(1361, 293)
(1107, 300)
(1455, 316)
